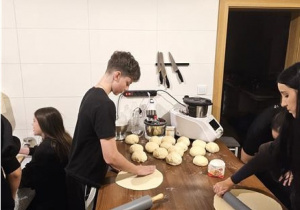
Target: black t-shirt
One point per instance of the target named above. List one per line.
(96, 120)
(260, 130)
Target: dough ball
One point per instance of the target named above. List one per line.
(200, 160)
(169, 139)
(176, 149)
(160, 153)
(199, 142)
(182, 145)
(136, 147)
(139, 156)
(156, 130)
(185, 140)
(166, 145)
(174, 159)
(132, 139)
(151, 146)
(197, 150)
(212, 147)
(155, 139)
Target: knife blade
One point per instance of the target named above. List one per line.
(159, 68)
(163, 70)
(175, 67)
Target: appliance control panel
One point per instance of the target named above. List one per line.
(140, 93)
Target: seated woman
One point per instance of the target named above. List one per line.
(282, 155)
(45, 172)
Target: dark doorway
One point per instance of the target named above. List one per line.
(255, 54)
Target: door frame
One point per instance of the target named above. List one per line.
(293, 48)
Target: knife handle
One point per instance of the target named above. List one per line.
(180, 76)
(167, 82)
(160, 78)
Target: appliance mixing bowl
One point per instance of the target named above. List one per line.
(155, 128)
(197, 106)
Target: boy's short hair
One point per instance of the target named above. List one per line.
(125, 63)
(278, 120)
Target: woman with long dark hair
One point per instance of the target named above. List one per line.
(282, 155)
(45, 172)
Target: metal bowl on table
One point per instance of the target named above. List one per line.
(155, 128)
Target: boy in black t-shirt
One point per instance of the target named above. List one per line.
(264, 128)
(94, 146)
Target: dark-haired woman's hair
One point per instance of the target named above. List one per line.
(291, 78)
(51, 124)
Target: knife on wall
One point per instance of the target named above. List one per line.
(163, 70)
(175, 67)
(159, 66)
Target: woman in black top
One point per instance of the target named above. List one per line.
(45, 172)
(282, 155)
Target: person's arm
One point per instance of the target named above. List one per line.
(264, 160)
(26, 150)
(14, 179)
(114, 158)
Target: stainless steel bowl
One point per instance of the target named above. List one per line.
(155, 128)
(201, 111)
(121, 131)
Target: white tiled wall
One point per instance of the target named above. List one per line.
(54, 50)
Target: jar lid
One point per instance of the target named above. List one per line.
(217, 162)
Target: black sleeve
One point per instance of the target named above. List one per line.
(32, 150)
(265, 159)
(10, 165)
(260, 131)
(10, 146)
(105, 118)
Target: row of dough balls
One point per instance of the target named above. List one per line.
(198, 150)
(136, 150)
(167, 148)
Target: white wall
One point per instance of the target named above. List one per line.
(53, 51)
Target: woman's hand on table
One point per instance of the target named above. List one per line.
(222, 187)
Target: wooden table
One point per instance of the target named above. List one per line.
(186, 186)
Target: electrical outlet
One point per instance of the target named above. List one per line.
(139, 93)
(201, 89)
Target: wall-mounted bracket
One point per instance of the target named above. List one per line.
(178, 64)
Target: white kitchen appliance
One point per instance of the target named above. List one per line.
(194, 122)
